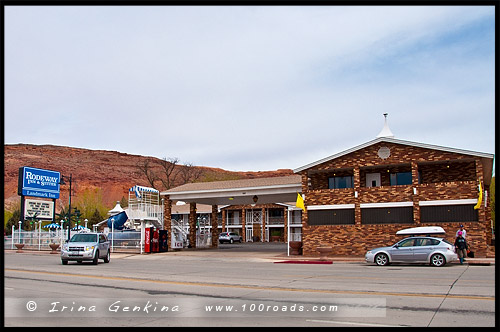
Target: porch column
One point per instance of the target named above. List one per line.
(243, 222)
(224, 218)
(285, 224)
(167, 218)
(192, 225)
(263, 231)
(215, 227)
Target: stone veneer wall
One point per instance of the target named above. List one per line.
(446, 176)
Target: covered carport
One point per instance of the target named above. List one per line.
(223, 193)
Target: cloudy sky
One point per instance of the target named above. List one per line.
(248, 88)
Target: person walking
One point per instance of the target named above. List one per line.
(464, 232)
(461, 247)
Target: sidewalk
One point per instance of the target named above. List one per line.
(269, 256)
(358, 259)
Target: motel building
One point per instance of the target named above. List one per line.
(354, 200)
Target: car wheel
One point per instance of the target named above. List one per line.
(231, 241)
(96, 258)
(381, 259)
(64, 262)
(107, 258)
(240, 240)
(438, 260)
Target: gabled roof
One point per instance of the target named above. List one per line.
(395, 141)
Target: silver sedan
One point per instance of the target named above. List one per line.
(417, 249)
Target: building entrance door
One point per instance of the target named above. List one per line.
(373, 180)
(253, 217)
(249, 233)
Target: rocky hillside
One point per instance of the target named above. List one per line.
(113, 172)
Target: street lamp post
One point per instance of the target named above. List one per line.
(69, 212)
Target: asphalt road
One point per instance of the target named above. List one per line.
(242, 286)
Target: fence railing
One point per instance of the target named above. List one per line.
(40, 240)
(129, 240)
(296, 237)
(35, 240)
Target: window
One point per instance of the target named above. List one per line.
(407, 243)
(331, 217)
(340, 182)
(401, 178)
(390, 215)
(80, 237)
(276, 213)
(427, 242)
(448, 213)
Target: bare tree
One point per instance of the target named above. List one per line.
(146, 168)
(169, 174)
(190, 173)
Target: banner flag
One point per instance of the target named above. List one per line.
(480, 198)
(300, 202)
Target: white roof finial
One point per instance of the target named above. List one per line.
(385, 132)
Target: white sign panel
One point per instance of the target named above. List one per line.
(38, 209)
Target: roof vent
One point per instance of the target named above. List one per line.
(385, 132)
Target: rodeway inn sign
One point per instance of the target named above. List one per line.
(38, 183)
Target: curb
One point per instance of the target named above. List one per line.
(305, 262)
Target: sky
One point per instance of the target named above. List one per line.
(248, 88)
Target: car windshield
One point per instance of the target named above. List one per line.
(84, 238)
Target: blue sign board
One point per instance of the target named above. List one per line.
(38, 182)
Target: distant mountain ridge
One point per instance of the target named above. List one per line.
(114, 172)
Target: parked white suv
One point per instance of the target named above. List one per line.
(229, 237)
(86, 247)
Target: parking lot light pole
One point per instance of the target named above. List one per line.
(69, 212)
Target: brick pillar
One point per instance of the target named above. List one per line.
(415, 197)
(224, 214)
(215, 227)
(285, 223)
(484, 218)
(192, 225)
(480, 179)
(167, 218)
(263, 231)
(357, 206)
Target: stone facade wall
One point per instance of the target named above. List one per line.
(436, 175)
